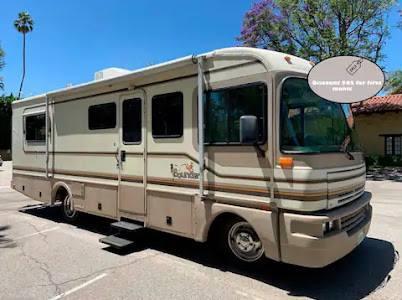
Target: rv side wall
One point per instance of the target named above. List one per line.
(86, 161)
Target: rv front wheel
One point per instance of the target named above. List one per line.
(242, 242)
(70, 214)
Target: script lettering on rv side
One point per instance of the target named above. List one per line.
(184, 171)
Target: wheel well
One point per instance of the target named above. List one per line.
(219, 221)
(61, 194)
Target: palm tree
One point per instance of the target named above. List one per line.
(23, 24)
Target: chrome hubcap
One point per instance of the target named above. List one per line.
(244, 242)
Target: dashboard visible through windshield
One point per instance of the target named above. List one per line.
(311, 124)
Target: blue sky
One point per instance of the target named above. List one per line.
(73, 39)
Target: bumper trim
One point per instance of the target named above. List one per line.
(310, 250)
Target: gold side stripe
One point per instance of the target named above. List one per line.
(242, 203)
(222, 187)
(209, 169)
(219, 187)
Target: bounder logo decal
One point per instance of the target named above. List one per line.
(184, 171)
(346, 79)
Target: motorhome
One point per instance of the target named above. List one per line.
(229, 146)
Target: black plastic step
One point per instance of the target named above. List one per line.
(123, 225)
(116, 242)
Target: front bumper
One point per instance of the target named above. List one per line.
(304, 243)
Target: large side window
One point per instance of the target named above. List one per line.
(102, 116)
(35, 128)
(167, 115)
(132, 121)
(224, 107)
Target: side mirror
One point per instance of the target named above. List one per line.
(248, 130)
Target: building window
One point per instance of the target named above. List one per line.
(167, 115)
(224, 107)
(102, 116)
(132, 124)
(398, 145)
(35, 128)
(393, 145)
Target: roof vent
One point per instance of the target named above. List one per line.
(110, 73)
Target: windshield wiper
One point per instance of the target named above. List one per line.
(344, 147)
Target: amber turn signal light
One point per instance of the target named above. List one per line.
(288, 59)
(286, 162)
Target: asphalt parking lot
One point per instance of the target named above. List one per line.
(41, 257)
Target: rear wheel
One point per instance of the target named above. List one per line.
(70, 214)
(241, 242)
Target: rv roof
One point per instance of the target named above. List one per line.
(274, 61)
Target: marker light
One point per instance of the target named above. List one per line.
(286, 162)
(328, 226)
(288, 59)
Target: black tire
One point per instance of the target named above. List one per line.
(69, 213)
(239, 242)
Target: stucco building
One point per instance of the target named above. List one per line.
(378, 122)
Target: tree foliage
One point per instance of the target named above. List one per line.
(318, 29)
(394, 83)
(5, 121)
(7, 99)
(24, 23)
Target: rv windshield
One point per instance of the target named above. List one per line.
(311, 124)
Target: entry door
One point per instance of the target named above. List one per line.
(131, 156)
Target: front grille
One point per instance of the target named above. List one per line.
(351, 222)
(351, 195)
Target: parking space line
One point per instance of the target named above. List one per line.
(242, 293)
(7, 213)
(247, 295)
(36, 233)
(73, 290)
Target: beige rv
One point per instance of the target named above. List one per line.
(230, 146)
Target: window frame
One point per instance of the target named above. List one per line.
(265, 113)
(122, 121)
(175, 136)
(34, 142)
(393, 136)
(100, 104)
(290, 152)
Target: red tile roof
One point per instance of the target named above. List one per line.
(378, 104)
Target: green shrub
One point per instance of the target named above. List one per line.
(5, 123)
(383, 161)
(371, 161)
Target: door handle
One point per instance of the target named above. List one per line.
(123, 155)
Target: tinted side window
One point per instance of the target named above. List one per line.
(224, 107)
(102, 116)
(132, 124)
(35, 128)
(167, 115)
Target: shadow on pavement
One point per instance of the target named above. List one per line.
(4, 241)
(88, 222)
(355, 276)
